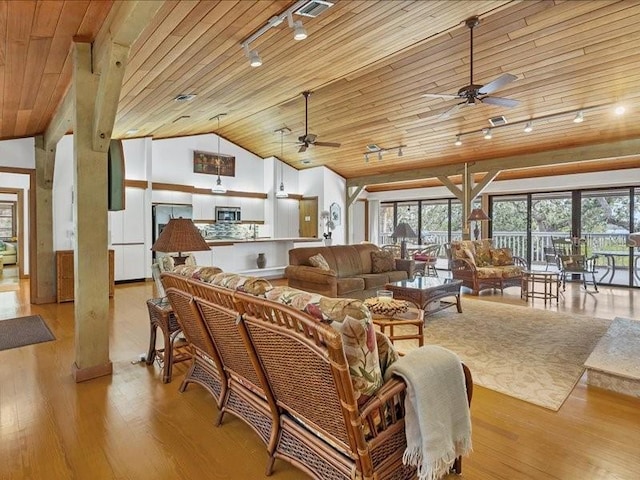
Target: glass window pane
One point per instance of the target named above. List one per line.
(386, 224)
(435, 222)
(550, 217)
(408, 213)
(509, 224)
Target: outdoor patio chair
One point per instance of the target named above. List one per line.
(426, 260)
(574, 261)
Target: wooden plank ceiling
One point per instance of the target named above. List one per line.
(368, 64)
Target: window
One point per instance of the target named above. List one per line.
(7, 220)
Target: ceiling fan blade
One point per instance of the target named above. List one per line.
(498, 83)
(303, 148)
(439, 95)
(326, 144)
(447, 113)
(503, 102)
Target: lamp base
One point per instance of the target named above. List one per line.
(179, 260)
(476, 232)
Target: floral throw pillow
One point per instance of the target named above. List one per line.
(319, 261)
(501, 257)
(382, 261)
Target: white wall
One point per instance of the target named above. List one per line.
(18, 153)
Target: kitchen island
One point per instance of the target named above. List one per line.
(240, 256)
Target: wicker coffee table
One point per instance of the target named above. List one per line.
(423, 291)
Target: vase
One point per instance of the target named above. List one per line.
(261, 261)
(327, 242)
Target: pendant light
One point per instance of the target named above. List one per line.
(218, 187)
(281, 193)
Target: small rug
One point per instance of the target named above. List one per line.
(21, 331)
(530, 354)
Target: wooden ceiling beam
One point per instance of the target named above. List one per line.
(620, 149)
(61, 123)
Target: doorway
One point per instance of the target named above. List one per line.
(308, 217)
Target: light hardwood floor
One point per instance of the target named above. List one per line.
(132, 426)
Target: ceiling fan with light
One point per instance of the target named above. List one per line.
(308, 139)
(474, 93)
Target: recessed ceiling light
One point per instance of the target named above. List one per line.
(620, 110)
(305, 161)
(185, 97)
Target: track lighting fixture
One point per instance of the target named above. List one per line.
(375, 148)
(299, 32)
(528, 124)
(252, 55)
(300, 7)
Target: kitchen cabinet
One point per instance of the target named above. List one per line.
(65, 275)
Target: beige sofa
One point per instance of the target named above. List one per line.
(354, 271)
(9, 253)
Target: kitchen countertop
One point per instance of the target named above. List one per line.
(229, 241)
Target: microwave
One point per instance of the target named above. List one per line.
(228, 215)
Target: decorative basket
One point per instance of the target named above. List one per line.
(387, 308)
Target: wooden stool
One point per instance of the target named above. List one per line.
(161, 316)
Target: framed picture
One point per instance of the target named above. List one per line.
(214, 163)
(335, 214)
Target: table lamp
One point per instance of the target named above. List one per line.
(478, 215)
(180, 235)
(403, 230)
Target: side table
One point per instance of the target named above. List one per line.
(540, 284)
(413, 316)
(161, 316)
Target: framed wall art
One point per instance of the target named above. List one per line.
(335, 214)
(214, 163)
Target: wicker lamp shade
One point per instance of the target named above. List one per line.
(180, 235)
(403, 230)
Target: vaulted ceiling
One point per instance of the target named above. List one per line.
(368, 64)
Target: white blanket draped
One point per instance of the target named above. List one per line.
(437, 419)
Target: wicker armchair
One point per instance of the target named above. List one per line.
(324, 432)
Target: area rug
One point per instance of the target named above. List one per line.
(530, 354)
(21, 331)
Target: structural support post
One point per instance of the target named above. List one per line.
(43, 281)
(91, 256)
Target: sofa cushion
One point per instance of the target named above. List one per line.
(353, 320)
(511, 271)
(374, 280)
(501, 257)
(319, 261)
(350, 284)
(382, 261)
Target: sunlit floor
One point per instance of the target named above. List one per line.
(132, 426)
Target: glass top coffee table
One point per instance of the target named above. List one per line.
(423, 291)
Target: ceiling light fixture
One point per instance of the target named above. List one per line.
(299, 32)
(528, 128)
(579, 118)
(620, 110)
(458, 141)
(282, 193)
(486, 132)
(374, 148)
(218, 187)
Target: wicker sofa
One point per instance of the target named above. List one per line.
(354, 271)
(265, 342)
(479, 265)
